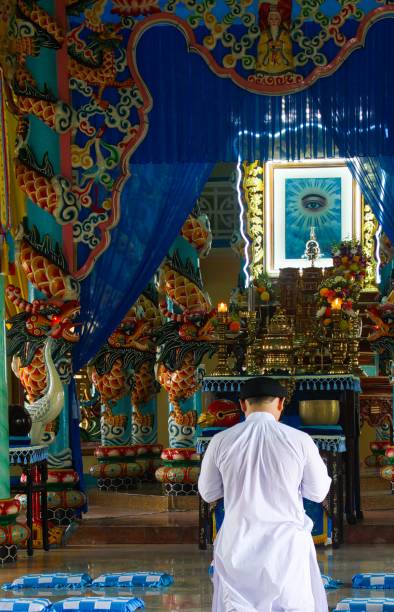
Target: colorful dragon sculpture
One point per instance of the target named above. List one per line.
(383, 317)
(30, 28)
(188, 335)
(125, 363)
(40, 336)
(145, 385)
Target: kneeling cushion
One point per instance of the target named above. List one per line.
(57, 580)
(369, 604)
(373, 581)
(26, 604)
(133, 579)
(93, 604)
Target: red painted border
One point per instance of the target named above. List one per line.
(351, 45)
(63, 90)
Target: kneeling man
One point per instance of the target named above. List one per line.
(264, 558)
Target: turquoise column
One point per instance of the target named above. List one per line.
(117, 433)
(4, 436)
(183, 436)
(145, 433)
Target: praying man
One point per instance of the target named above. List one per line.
(264, 555)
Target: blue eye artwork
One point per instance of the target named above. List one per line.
(311, 202)
(314, 201)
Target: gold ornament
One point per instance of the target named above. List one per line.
(369, 229)
(253, 188)
(277, 346)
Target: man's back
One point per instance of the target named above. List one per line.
(263, 469)
(262, 461)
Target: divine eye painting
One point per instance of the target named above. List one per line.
(305, 198)
(312, 202)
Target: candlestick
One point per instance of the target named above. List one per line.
(222, 367)
(338, 343)
(355, 329)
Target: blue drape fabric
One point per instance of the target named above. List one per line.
(375, 175)
(198, 116)
(155, 202)
(75, 436)
(346, 115)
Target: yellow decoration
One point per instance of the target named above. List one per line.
(369, 229)
(253, 187)
(94, 15)
(16, 196)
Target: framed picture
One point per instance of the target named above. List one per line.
(304, 195)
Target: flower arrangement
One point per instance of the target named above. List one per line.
(341, 289)
(350, 262)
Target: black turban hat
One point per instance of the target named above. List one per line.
(262, 386)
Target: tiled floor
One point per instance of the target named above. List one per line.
(191, 591)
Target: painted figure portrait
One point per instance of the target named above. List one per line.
(275, 47)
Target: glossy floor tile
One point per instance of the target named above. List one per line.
(191, 591)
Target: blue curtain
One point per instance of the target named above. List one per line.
(198, 116)
(75, 436)
(154, 204)
(375, 175)
(364, 133)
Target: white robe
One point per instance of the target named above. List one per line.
(264, 556)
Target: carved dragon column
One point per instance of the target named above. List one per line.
(123, 370)
(145, 389)
(39, 340)
(32, 57)
(12, 534)
(183, 341)
(111, 373)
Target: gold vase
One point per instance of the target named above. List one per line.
(319, 412)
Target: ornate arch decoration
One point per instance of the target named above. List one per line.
(271, 84)
(107, 115)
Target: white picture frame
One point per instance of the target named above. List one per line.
(290, 188)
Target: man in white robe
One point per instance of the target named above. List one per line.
(264, 556)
